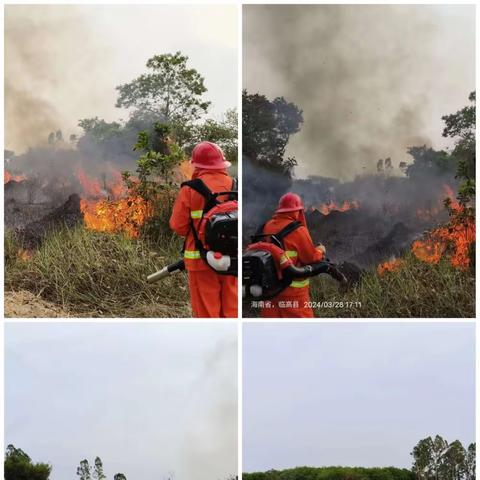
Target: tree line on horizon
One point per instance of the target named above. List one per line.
(433, 459)
(19, 466)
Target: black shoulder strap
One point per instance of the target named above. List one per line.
(199, 186)
(276, 238)
(287, 229)
(234, 190)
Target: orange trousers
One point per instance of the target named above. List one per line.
(289, 306)
(213, 295)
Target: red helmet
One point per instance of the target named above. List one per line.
(290, 202)
(209, 155)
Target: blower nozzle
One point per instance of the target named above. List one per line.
(166, 271)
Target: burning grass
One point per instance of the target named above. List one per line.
(126, 215)
(95, 274)
(416, 290)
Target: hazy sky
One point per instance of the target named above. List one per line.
(371, 80)
(354, 394)
(62, 63)
(149, 399)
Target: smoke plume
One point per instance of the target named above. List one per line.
(216, 436)
(49, 77)
(371, 80)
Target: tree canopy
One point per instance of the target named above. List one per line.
(428, 162)
(19, 466)
(267, 127)
(171, 91)
(333, 473)
(461, 126)
(436, 459)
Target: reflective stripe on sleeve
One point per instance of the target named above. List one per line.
(196, 213)
(300, 283)
(191, 254)
(291, 253)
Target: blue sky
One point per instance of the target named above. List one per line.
(149, 399)
(354, 394)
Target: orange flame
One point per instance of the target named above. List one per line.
(327, 208)
(389, 266)
(109, 208)
(7, 177)
(116, 186)
(453, 239)
(24, 255)
(426, 214)
(126, 215)
(91, 187)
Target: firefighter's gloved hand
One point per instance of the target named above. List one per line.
(321, 248)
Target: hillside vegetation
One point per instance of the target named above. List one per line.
(333, 473)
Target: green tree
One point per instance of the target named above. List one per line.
(171, 91)
(436, 459)
(454, 464)
(461, 126)
(84, 471)
(154, 180)
(159, 158)
(99, 130)
(18, 466)
(224, 133)
(119, 476)
(439, 449)
(470, 462)
(98, 470)
(423, 458)
(267, 127)
(428, 162)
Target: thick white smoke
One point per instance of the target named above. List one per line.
(371, 80)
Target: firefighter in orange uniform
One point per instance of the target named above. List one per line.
(294, 301)
(211, 295)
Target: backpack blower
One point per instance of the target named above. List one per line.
(267, 269)
(217, 236)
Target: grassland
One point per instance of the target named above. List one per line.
(415, 290)
(93, 274)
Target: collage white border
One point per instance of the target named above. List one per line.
(240, 321)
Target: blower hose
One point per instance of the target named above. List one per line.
(291, 271)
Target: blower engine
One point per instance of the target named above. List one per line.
(267, 271)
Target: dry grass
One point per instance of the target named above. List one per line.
(93, 274)
(416, 290)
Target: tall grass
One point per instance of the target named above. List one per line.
(99, 274)
(416, 290)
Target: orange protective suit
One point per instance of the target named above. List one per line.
(211, 295)
(294, 301)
